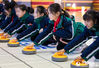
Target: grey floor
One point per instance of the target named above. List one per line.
(13, 58)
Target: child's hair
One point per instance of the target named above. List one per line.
(9, 5)
(30, 10)
(55, 7)
(65, 13)
(41, 9)
(22, 7)
(92, 15)
(5, 1)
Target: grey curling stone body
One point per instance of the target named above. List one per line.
(28, 52)
(4, 40)
(13, 45)
(73, 66)
(59, 59)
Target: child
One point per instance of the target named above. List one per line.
(60, 26)
(24, 20)
(91, 19)
(10, 14)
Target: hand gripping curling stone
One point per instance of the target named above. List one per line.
(13, 43)
(59, 57)
(76, 64)
(29, 50)
(4, 39)
(1, 34)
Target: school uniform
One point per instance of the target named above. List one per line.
(22, 24)
(92, 50)
(33, 31)
(8, 20)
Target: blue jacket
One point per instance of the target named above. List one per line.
(34, 29)
(8, 20)
(64, 30)
(27, 23)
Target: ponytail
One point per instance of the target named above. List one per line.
(97, 18)
(65, 13)
(30, 10)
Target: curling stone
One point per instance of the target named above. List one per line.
(28, 50)
(59, 57)
(76, 64)
(4, 39)
(13, 43)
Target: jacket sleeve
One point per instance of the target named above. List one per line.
(67, 32)
(5, 23)
(45, 35)
(18, 26)
(77, 41)
(11, 25)
(31, 31)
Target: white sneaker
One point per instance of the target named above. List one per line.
(97, 60)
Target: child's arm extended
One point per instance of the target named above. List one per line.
(45, 35)
(76, 41)
(91, 50)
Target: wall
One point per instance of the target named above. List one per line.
(45, 3)
(68, 4)
(96, 5)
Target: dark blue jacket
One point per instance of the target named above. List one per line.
(8, 20)
(31, 31)
(64, 30)
(28, 22)
(87, 33)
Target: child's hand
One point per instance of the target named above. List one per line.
(41, 30)
(79, 59)
(62, 50)
(30, 46)
(7, 35)
(63, 41)
(0, 29)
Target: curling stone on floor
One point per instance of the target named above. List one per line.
(59, 57)
(76, 64)
(4, 39)
(29, 50)
(13, 43)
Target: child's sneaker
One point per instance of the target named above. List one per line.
(97, 60)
